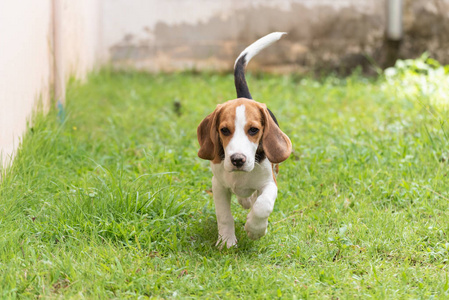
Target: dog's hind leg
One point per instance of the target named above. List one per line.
(247, 202)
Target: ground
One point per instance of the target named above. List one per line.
(108, 199)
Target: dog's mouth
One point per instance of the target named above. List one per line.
(239, 170)
(235, 169)
(242, 169)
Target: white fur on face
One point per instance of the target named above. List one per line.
(240, 144)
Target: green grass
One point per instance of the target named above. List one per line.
(113, 202)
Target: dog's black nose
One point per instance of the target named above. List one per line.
(238, 159)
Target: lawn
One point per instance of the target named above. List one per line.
(108, 199)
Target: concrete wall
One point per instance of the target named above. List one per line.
(173, 34)
(426, 27)
(323, 34)
(27, 45)
(25, 65)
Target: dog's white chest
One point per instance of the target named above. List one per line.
(244, 184)
(240, 188)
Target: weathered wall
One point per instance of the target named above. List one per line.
(26, 57)
(323, 34)
(426, 28)
(210, 34)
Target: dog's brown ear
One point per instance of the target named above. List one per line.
(208, 137)
(276, 144)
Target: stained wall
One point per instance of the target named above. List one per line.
(335, 35)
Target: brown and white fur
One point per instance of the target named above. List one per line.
(244, 143)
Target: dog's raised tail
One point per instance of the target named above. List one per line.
(240, 63)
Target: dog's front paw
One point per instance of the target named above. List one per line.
(229, 241)
(256, 227)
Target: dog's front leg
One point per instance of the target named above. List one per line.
(222, 200)
(257, 219)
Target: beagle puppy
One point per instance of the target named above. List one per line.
(244, 143)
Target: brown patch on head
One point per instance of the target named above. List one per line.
(254, 122)
(226, 122)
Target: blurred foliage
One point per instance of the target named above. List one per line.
(423, 79)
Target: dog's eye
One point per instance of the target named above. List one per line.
(253, 131)
(225, 131)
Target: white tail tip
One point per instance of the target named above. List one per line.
(262, 43)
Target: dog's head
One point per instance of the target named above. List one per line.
(242, 132)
